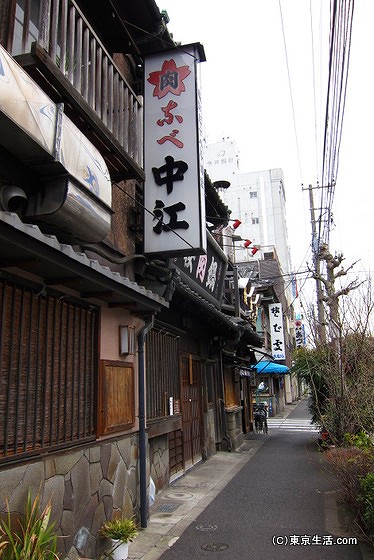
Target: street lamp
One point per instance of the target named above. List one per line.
(236, 222)
(234, 238)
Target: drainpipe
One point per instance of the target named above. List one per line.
(142, 416)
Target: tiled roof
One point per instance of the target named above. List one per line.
(21, 241)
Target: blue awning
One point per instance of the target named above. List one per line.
(265, 367)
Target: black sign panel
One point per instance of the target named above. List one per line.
(205, 273)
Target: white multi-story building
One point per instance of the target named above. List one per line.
(257, 199)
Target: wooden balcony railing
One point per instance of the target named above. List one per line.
(75, 50)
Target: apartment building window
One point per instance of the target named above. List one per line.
(48, 371)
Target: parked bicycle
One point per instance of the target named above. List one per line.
(260, 417)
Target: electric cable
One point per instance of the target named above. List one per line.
(290, 90)
(341, 22)
(152, 214)
(314, 89)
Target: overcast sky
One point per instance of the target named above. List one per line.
(246, 96)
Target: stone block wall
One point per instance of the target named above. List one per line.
(85, 488)
(159, 461)
(234, 426)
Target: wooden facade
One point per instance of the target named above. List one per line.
(70, 398)
(48, 368)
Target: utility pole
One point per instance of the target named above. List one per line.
(321, 325)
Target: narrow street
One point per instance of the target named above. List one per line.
(277, 506)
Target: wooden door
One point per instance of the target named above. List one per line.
(191, 409)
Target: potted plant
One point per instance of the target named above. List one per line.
(121, 531)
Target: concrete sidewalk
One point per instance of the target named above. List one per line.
(176, 507)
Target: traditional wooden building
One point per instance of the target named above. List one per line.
(73, 313)
(113, 364)
(269, 292)
(194, 355)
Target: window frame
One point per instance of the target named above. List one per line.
(116, 397)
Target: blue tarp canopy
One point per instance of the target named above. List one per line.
(264, 367)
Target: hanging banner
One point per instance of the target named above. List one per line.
(276, 330)
(174, 220)
(300, 334)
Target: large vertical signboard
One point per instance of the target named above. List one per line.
(276, 330)
(174, 221)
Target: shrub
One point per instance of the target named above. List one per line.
(361, 440)
(349, 465)
(366, 500)
(353, 468)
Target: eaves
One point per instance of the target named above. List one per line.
(24, 248)
(207, 312)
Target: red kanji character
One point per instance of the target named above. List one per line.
(169, 79)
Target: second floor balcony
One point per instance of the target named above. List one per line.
(55, 43)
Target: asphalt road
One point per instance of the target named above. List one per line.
(273, 509)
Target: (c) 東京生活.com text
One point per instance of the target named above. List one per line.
(312, 540)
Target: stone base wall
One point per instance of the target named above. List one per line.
(159, 461)
(85, 488)
(234, 426)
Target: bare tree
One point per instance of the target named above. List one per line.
(331, 295)
(345, 363)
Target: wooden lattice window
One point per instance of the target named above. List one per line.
(162, 372)
(116, 397)
(47, 371)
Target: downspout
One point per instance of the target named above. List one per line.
(142, 417)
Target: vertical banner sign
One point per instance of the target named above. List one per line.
(299, 334)
(276, 330)
(174, 220)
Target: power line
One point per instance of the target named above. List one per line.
(341, 19)
(314, 89)
(152, 214)
(290, 88)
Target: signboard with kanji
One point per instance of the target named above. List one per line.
(205, 274)
(174, 220)
(299, 334)
(276, 331)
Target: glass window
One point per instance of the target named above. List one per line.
(25, 25)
